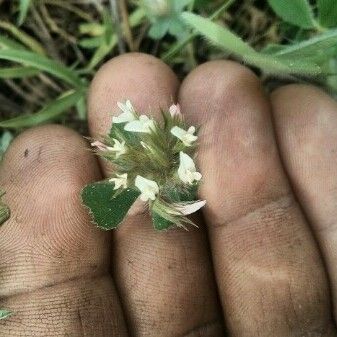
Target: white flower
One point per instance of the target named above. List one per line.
(101, 146)
(175, 110)
(121, 180)
(143, 124)
(187, 171)
(148, 188)
(187, 137)
(128, 114)
(189, 208)
(119, 147)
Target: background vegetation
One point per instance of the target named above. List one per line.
(50, 49)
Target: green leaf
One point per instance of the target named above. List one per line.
(159, 28)
(159, 222)
(230, 43)
(18, 72)
(311, 48)
(327, 12)
(108, 207)
(296, 12)
(23, 10)
(47, 113)
(4, 313)
(42, 63)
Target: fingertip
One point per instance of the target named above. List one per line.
(148, 82)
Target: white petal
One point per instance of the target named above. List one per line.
(197, 176)
(178, 132)
(147, 187)
(191, 130)
(186, 161)
(123, 118)
(190, 208)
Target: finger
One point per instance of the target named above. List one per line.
(306, 126)
(53, 262)
(165, 279)
(268, 268)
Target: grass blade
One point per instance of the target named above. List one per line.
(42, 63)
(18, 72)
(49, 112)
(24, 38)
(23, 10)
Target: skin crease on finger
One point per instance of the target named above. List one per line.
(53, 261)
(306, 125)
(268, 267)
(165, 278)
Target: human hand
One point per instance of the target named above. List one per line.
(262, 263)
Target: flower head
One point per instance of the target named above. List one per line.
(148, 188)
(128, 114)
(143, 124)
(119, 147)
(121, 180)
(175, 110)
(187, 137)
(187, 171)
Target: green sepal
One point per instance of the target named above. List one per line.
(4, 313)
(107, 206)
(160, 223)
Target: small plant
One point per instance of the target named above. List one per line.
(164, 16)
(152, 161)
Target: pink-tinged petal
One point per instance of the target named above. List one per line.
(100, 146)
(175, 110)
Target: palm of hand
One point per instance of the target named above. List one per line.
(269, 226)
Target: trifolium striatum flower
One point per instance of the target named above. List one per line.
(120, 181)
(127, 115)
(187, 171)
(119, 147)
(151, 161)
(143, 124)
(187, 137)
(148, 188)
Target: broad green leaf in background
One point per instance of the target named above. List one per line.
(327, 12)
(296, 12)
(23, 10)
(231, 43)
(48, 112)
(42, 63)
(107, 207)
(18, 72)
(4, 313)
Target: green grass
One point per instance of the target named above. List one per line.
(51, 49)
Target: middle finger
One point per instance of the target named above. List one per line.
(165, 279)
